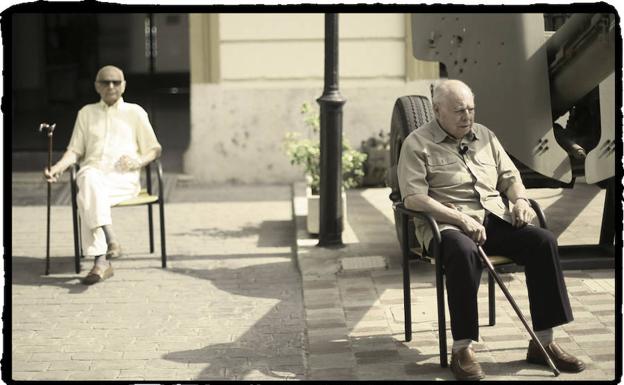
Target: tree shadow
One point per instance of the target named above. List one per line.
(272, 345)
(269, 233)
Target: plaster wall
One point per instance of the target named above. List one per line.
(268, 65)
(237, 132)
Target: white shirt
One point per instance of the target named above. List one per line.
(104, 133)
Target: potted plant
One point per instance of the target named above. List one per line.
(306, 152)
(377, 149)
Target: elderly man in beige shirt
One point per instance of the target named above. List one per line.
(457, 170)
(112, 140)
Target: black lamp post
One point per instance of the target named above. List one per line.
(330, 226)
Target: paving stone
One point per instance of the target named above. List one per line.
(72, 366)
(51, 376)
(332, 374)
(29, 366)
(331, 360)
(376, 356)
(325, 324)
(230, 304)
(325, 347)
(23, 376)
(57, 356)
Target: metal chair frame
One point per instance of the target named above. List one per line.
(432, 256)
(156, 199)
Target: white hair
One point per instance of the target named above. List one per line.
(441, 88)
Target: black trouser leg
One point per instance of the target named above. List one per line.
(536, 249)
(463, 275)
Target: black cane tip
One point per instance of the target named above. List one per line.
(556, 373)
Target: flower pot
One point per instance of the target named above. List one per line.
(314, 209)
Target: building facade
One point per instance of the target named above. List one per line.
(251, 73)
(222, 90)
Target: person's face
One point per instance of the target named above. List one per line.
(110, 84)
(455, 112)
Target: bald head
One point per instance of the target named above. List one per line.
(109, 69)
(453, 105)
(110, 84)
(443, 89)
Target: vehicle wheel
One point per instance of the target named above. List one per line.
(409, 113)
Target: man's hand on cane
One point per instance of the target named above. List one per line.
(53, 174)
(472, 228)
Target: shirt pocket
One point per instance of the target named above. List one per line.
(446, 171)
(487, 169)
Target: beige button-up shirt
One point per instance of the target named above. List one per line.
(431, 163)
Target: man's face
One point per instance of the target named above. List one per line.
(455, 112)
(110, 84)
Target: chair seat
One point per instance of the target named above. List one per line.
(499, 260)
(141, 199)
(495, 259)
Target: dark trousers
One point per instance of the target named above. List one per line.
(533, 247)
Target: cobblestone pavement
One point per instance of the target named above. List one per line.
(234, 304)
(354, 300)
(228, 306)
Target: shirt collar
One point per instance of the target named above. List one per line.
(115, 106)
(439, 135)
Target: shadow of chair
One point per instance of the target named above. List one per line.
(146, 197)
(432, 256)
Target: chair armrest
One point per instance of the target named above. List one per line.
(431, 222)
(540, 213)
(73, 172)
(159, 177)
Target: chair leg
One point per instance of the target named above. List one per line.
(492, 299)
(80, 237)
(150, 219)
(441, 315)
(407, 299)
(77, 251)
(407, 295)
(163, 245)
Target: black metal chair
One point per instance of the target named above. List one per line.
(431, 256)
(145, 197)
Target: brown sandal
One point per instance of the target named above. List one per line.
(97, 274)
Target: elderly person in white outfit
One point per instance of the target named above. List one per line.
(112, 140)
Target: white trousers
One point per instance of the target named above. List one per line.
(97, 191)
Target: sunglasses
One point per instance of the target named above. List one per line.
(116, 83)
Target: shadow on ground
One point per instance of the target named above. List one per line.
(273, 345)
(31, 271)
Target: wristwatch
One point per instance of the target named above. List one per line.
(524, 199)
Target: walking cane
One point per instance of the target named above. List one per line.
(490, 267)
(50, 130)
